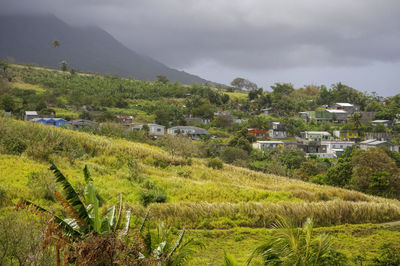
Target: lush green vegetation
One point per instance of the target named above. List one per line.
(210, 187)
(198, 197)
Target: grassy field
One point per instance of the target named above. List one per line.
(230, 208)
(26, 86)
(360, 243)
(237, 95)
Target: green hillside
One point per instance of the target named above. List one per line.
(228, 208)
(218, 188)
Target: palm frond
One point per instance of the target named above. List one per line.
(68, 229)
(177, 244)
(68, 207)
(229, 260)
(184, 252)
(127, 222)
(86, 174)
(118, 217)
(146, 217)
(110, 216)
(71, 195)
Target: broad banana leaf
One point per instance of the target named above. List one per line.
(118, 217)
(69, 230)
(71, 195)
(127, 222)
(93, 207)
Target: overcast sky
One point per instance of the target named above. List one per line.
(303, 42)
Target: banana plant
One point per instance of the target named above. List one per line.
(85, 216)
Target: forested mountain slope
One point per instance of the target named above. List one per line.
(29, 38)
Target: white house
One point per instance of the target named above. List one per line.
(29, 115)
(154, 129)
(386, 123)
(194, 132)
(316, 135)
(337, 147)
(338, 115)
(266, 145)
(351, 108)
(369, 143)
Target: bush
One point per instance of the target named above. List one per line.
(21, 234)
(12, 144)
(215, 163)
(150, 196)
(231, 154)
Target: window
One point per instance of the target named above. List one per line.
(158, 129)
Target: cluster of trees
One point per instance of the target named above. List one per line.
(374, 171)
(111, 91)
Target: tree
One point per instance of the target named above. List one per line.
(282, 88)
(56, 43)
(340, 174)
(4, 66)
(243, 84)
(324, 97)
(309, 169)
(180, 145)
(64, 66)
(375, 172)
(232, 154)
(8, 103)
(163, 79)
(292, 159)
(294, 125)
(355, 118)
(297, 246)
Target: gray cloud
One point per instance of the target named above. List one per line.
(242, 34)
(251, 35)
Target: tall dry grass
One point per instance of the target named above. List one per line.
(227, 215)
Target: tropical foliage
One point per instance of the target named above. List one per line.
(297, 246)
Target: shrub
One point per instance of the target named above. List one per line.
(184, 173)
(20, 236)
(231, 154)
(215, 163)
(12, 144)
(150, 196)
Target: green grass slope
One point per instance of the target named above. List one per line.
(229, 208)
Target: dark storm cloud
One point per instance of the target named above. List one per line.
(241, 34)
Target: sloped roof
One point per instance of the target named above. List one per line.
(197, 130)
(337, 111)
(270, 142)
(318, 133)
(380, 121)
(367, 141)
(31, 113)
(48, 119)
(345, 104)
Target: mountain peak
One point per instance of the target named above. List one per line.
(28, 39)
